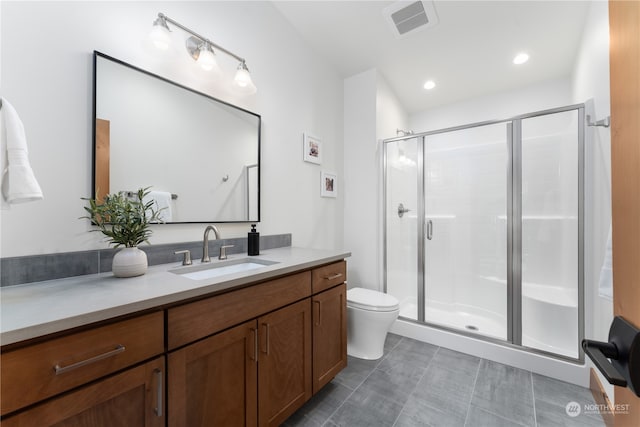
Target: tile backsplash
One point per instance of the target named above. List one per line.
(36, 268)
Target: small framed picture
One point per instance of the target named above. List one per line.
(312, 148)
(328, 184)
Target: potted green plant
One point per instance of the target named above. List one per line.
(125, 221)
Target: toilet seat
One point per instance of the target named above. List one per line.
(367, 299)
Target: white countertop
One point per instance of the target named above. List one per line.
(36, 309)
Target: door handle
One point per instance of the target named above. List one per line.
(158, 409)
(254, 331)
(599, 352)
(266, 336)
(622, 350)
(429, 229)
(318, 318)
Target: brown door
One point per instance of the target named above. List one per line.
(624, 24)
(284, 381)
(329, 335)
(213, 382)
(133, 398)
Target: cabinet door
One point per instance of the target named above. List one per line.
(213, 382)
(133, 398)
(329, 335)
(285, 362)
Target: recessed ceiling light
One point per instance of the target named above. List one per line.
(520, 58)
(429, 84)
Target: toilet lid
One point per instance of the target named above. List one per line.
(368, 299)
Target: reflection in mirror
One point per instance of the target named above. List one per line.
(199, 155)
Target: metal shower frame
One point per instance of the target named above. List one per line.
(514, 226)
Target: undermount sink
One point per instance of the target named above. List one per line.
(222, 268)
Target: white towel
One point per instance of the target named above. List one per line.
(163, 201)
(19, 184)
(605, 287)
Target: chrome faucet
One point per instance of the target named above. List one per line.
(205, 242)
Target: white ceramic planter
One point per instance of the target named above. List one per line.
(129, 262)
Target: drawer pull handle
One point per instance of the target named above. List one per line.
(62, 369)
(333, 276)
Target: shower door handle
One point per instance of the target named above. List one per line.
(429, 229)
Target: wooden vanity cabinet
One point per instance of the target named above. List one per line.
(248, 357)
(133, 398)
(213, 382)
(284, 362)
(261, 371)
(329, 322)
(329, 335)
(35, 372)
(111, 375)
(256, 373)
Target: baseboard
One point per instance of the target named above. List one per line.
(601, 398)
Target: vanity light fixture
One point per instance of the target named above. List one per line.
(159, 34)
(201, 49)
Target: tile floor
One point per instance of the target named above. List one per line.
(418, 384)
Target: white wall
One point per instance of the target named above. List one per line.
(591, 82)
(46, 74)
(390, 114)
(371, 113)
(503, 105)
(360, 179)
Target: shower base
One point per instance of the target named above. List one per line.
(464, 321)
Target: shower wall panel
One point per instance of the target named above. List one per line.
(401, 181)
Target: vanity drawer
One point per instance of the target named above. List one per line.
(190, 322)
(33, 373)
(328, 276)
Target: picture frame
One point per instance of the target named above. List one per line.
(311, 148)
(328, 184)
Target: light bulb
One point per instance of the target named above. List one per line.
(207, 59)
(429, 84)
(160, 34)
(520, 58)
(242, 80)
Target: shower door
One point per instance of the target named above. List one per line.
(446, 228)
(465, 214)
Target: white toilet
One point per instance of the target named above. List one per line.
(370, 315)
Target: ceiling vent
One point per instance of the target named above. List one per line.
(406, 17)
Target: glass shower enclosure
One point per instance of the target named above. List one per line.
(483, 229)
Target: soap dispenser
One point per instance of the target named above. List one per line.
(253, 241)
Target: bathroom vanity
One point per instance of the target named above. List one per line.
(244, 348)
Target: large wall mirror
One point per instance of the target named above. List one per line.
(199, 155)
